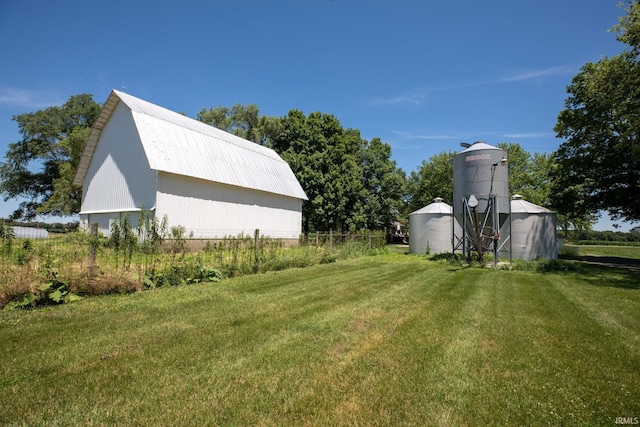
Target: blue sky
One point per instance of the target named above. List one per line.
(421, 75)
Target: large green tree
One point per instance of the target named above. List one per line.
(434, 178)
(40, 167)
(244, 121)
(384, 184)
(529, 173)
(324, 158)
(598, 164)
(530, 176)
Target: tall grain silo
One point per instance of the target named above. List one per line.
(533, 231)
(431, 228)
(481, 197)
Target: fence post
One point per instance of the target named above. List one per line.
(256, 241)
(93, 246)
(330, 239)
(369, 239)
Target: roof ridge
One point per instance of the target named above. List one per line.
(236, 140)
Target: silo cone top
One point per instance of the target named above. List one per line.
(519, 205)
(437, 207)
(480, 145)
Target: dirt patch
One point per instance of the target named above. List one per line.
(358, 325)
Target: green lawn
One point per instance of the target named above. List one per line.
(385, 340)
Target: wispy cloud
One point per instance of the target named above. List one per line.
(412, 99)
(415, 96)
(525, 135)
(532, 74)
(28, 98)
(432, 136)
(472, 136)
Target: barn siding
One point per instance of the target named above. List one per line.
(105, 219)
(214, 210)
(119, 177)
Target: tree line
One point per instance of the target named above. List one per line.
(353, 183)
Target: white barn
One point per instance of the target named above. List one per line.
(140, 156)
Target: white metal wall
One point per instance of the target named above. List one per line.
(213, 210)
(104, 220)
(119, 177)
(431, 231)
(533, 236)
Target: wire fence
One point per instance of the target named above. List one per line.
(366, 238)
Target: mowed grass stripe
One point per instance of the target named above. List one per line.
(376, 341)
(614, 310)
(558, 365)
(362, 365)
(341, 334)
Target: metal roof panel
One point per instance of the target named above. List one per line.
(178, 144)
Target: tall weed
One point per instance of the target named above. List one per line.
(58, 270)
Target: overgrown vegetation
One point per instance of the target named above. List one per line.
(66, 268)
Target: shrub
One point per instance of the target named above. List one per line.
(186, 270)
(546, 265)
(7, 236)
(567, 251)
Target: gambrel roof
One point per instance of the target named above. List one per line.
(180, 145)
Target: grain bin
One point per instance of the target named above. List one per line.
(481, 196)
(431, 228)
(533, 231)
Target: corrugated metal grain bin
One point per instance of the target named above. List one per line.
(431, 228)
(481, 195)
(533, 231)
(481, 170)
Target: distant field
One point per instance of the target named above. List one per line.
(619, 251)
(384, 340)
